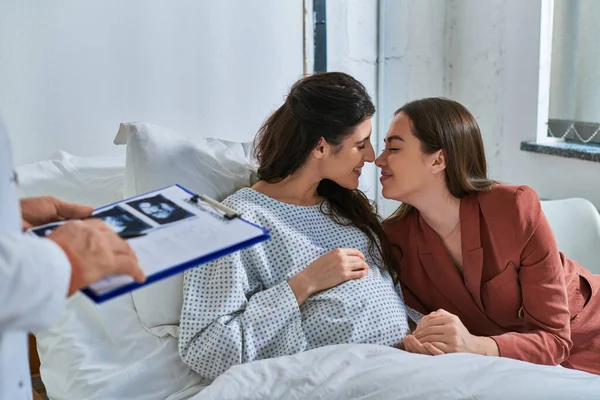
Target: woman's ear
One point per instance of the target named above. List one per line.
(320, 149)
(439, 161)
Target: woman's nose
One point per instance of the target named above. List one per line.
(380, 161)
(369, 155)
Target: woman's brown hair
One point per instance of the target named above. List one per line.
(325, 105)
(443, 124)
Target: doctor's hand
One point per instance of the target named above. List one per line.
(37, 211)
(442, 332)
(329, 270)
(95, 251)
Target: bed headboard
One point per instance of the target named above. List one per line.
(70, 71)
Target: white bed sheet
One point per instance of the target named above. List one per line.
(102, 352)
(370, 372)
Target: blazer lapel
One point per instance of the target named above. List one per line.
(472, 251)
(438, 266)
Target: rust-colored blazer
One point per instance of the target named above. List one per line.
(517, 288)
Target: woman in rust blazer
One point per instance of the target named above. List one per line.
(479, 258)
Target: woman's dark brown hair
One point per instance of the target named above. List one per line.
(443, 124)
(325, 105)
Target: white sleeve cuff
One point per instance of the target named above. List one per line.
(37, 276)
(55, 268)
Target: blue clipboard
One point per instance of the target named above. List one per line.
(180, 267)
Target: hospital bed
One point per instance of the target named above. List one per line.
(127, 347)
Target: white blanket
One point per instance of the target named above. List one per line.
(370, 372)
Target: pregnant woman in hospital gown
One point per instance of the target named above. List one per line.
(322, 278)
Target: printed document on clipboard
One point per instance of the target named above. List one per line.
(170, 230)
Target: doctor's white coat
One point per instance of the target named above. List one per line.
(34, 279)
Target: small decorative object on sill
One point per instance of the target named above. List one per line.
(574, 131)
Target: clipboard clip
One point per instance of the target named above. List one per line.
(228, 213)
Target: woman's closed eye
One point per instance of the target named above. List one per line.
(362, 145)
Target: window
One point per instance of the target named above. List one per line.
(574, 111)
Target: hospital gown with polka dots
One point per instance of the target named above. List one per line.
(240, 307)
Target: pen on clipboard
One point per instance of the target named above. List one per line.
(229, 213)
(131, 235)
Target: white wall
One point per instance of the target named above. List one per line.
(70, 71)
(491, 63)
(477, 53)
(413, 60)
(352, 48)
(563, 88)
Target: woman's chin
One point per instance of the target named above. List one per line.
(384, 195)
(353, 186)
(388, 193)
(348, 184)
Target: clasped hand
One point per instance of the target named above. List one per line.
(441, 332)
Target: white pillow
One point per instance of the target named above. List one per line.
(158, 157)
(93, 181)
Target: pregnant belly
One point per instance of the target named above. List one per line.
(368, 313)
